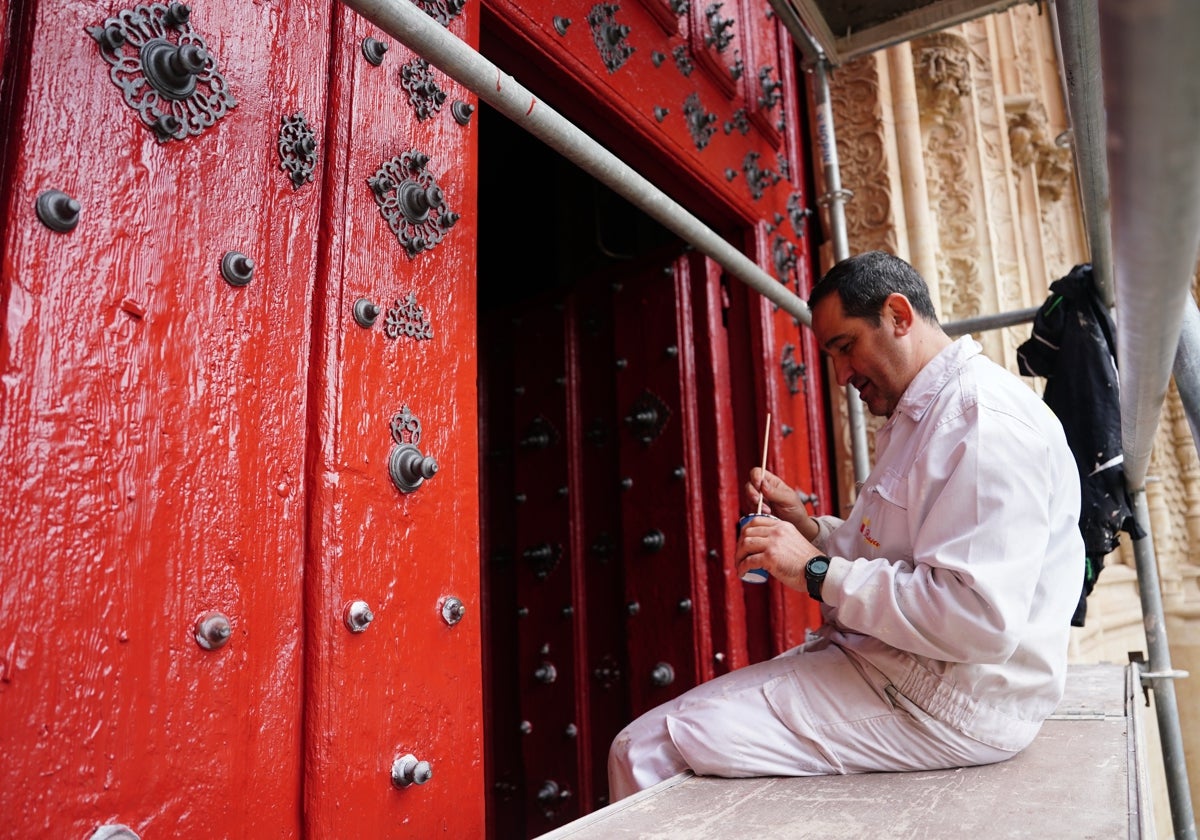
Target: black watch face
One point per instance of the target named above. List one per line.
(818, 566)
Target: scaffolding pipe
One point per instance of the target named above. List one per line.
(408, 24)
(1077, 36)
(1160, 677)
(834, 200)
(1154, 175)
(983, 323)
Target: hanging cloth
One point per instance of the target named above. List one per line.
(1073, 347)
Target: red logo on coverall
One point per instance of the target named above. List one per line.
(865, 530)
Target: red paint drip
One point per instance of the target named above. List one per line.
(532, 102)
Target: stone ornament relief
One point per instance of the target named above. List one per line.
(854, 95)
(1032, 146)
(942, 66)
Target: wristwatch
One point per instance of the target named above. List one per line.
(814, 575)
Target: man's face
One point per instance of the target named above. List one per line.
(868, 357)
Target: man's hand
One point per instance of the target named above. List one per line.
(780, 500)
(777, 547)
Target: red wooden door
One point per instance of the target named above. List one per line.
(198, 448)
(391, 400)
(154, 425)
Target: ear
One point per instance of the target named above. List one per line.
(898, 314)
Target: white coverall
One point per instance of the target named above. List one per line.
(947, 605)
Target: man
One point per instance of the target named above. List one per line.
(946, 595)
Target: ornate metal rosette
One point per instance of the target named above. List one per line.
(682, 60)
(797, 212)
(772, 89)
(164, 69)
(718, 27)
(738, 122)
(758, 179)
(297, 149)
(407, 319)
(411, 202)
(443, 11)
(609, 35)
(406, 427)
(793, 369)
(700, 123)
(423, 92)
(647, 417)
(785, 258)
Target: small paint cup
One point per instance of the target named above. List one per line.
(754, 575)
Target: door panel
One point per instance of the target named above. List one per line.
(154, 429)
(409, 683)
(670, 647)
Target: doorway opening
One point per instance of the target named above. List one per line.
(556, 249)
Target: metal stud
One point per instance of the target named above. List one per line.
(177, 15)
(407, 770)
(237, 268)
(453, 610)
(213, 630)
(654, 540)
(633, 608)
(662, 675)
(462, 111)
(57, 210)
(546, 673)
(561, 24)
(357, 616)
(114, 831)
(373, 50)
(409, 469)
(550, 794)
(365, 313)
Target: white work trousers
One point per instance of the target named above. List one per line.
(804, 713)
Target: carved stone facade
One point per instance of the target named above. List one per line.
(956, 150)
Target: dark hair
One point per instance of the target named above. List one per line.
(863, 283)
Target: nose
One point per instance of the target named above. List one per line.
(842, 370)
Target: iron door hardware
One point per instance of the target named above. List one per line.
(237, 268)
(164, 69)
(411, 202)
(213, 630)
(407, 770)
(297, 149)
(57, 210)
(408, 467)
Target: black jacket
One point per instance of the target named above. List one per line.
(1073, 347)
